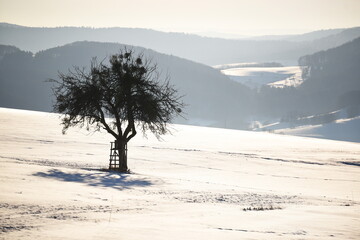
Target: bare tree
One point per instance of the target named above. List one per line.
(120, 97)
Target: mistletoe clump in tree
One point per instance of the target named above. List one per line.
(120, 97)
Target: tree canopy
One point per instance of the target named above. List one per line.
(120, 97)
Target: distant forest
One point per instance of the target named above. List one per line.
(331, 82)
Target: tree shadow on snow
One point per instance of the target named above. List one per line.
(119, 181)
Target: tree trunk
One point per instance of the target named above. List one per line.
(122, 151)
(121, 156)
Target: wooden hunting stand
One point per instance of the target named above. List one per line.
(115, 156)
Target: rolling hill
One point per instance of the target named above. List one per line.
(210, 96)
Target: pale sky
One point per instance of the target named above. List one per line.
(241, 17)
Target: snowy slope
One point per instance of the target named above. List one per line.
(195, 184)
(342, 129)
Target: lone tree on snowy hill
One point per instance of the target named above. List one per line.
(120, 97)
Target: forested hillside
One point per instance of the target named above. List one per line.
(211, 98)
(331, 82)
(332, 77)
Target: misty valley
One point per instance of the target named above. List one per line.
(304, 85)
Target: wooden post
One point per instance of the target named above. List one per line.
(115, 158)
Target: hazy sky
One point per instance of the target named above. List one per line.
(241, 17)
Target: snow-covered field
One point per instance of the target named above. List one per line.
(341, 129)
(199, 183)
(255, 77)
(344, 128)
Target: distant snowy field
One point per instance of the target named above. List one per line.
(255, 77)
(342, 129)
(199, 183)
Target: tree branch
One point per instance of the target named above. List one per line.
(133, 134)
(106, 126)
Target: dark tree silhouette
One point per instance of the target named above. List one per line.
(126, 95)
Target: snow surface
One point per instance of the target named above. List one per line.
(195, 184)
(255, 77)
(342, 129)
